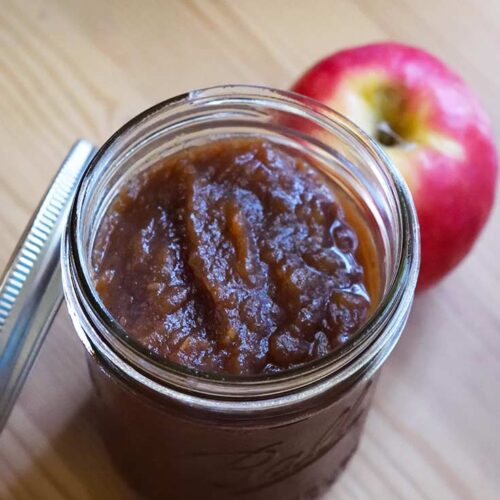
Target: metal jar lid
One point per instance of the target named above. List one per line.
(31, 287)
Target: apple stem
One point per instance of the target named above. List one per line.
(386, 135)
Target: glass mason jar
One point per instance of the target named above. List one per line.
(177, 433)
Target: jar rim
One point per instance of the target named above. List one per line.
(401, 289)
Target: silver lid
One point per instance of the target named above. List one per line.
(31, 288)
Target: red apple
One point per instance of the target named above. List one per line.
(431, 126)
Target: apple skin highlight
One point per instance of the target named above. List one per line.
(439, 137)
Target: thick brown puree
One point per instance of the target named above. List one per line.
(233, 257)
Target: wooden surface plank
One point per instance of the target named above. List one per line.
(73, 69)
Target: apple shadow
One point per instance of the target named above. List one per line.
(416, 333)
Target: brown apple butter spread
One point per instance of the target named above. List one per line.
(233, 257)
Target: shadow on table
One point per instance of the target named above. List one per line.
(73, 465)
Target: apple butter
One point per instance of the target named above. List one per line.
(234, 257)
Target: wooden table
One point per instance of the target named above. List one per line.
(72, 68)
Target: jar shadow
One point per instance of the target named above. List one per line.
(74, 465)
(51, 448)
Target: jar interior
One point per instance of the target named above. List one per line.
(367, 192)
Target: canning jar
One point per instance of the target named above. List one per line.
(177, 433)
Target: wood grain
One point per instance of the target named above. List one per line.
(72, 68)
